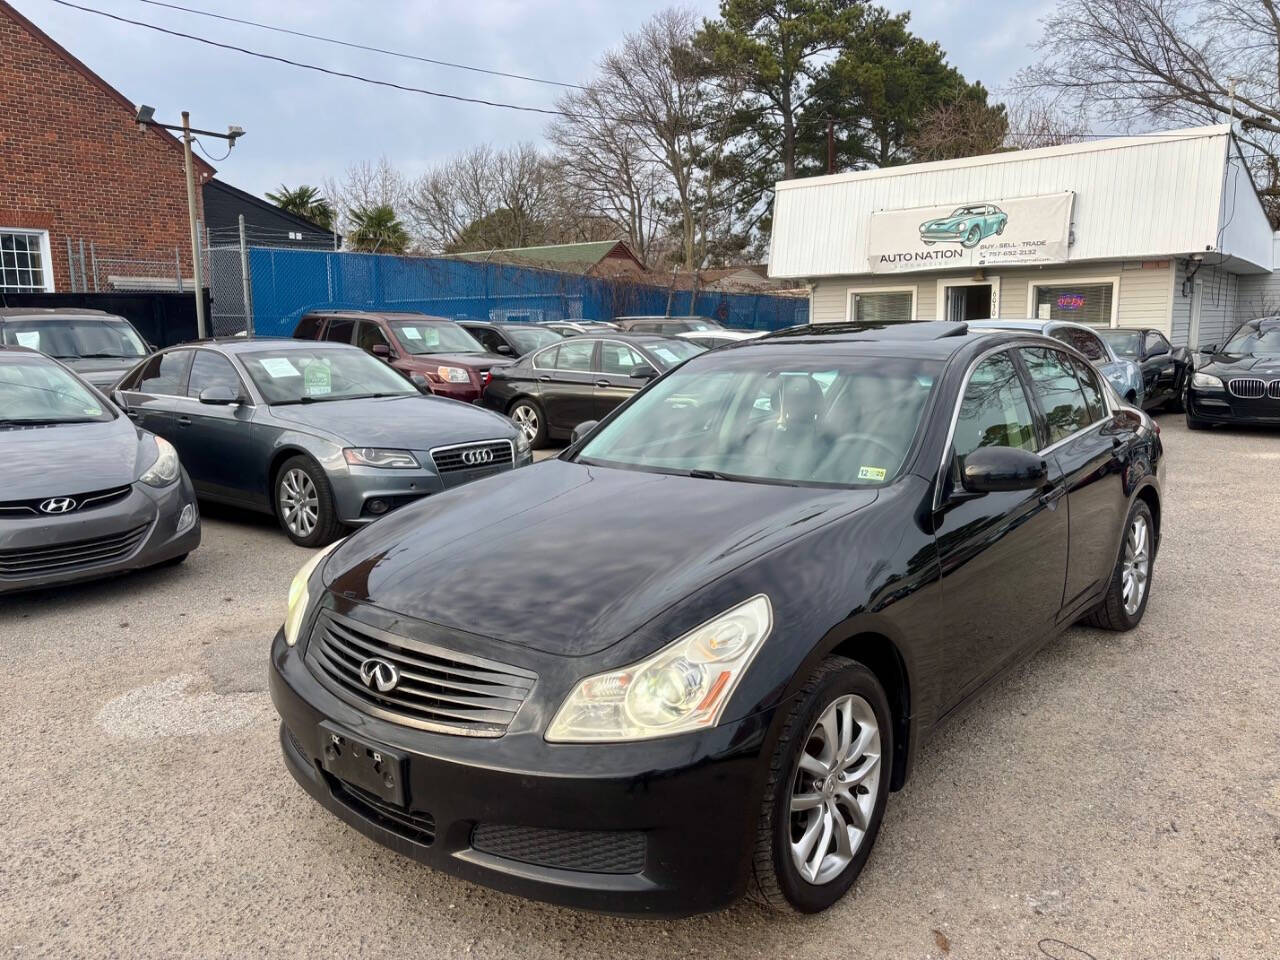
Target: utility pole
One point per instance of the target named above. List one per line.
(145, 118)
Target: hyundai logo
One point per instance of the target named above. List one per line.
(379, 674)
(477, 458)
(58, 505)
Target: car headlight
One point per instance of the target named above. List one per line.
(682, 687)
(453, 374)
(1206, 381)
(165, 468)
(523, 449)
(299, 595)
(380, 457)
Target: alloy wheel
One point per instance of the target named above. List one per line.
(299, 502)
(1136, 566)
(526, 418)
(835, 788)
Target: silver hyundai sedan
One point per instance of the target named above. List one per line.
(84, 493)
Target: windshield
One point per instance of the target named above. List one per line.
(321, 373)
(966, 211)
(669, 353)
(1256, 337)
(34, 390)
(1125, 343)
(834, 422)
(73, 338)
(526, 339)
(427, 336)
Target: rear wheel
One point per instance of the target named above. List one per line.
(304, 503)
(1126, 599)
(827, 790)
(528, 416)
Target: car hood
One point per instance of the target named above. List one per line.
(471, 361)
(567, 558)
(410, 422)
(1234, 364)
(104, 373)
(67, 459)
(943, 222)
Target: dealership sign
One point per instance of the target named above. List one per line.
(975, 233)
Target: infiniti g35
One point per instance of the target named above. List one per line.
(692, 656)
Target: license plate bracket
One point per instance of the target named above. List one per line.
(371, 767)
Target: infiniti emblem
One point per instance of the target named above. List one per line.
(58, 505)
(380, 674)
(476, 458)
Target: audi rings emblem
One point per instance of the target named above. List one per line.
(477, 458)
(58, 505)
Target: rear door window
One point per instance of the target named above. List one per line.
(576, 356)
(308, 328)
(1088, 343)
(1092, 390)
(1054, 383)
(340, 331)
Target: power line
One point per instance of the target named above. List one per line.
(359, 46)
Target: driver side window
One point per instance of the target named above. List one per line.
(994, 410)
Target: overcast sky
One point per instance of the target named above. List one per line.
(303, 126)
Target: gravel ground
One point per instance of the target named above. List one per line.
(1118, 796)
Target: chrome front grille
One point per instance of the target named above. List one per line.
(1273, 389)
(82, 501)
(67, 557)
(470, 461)
(1247, 388)
(438, 689)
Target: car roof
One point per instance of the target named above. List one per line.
(377, 315)
(685, 316)
(931, 339)
(15, 313)
(245, 344)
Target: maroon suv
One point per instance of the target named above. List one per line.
(435, 353)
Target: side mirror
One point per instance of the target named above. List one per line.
(503, 349)
(582, 429)
(995, 469)
(219, 396)
(381, 351)
(118, 399)
(643, 372)
(1208, 348)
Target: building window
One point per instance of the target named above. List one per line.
(24, 261)
(1081, 302)
(882, 306)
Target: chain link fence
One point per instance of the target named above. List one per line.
(95, 268)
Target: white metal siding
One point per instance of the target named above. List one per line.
(1259, 293)
(1140, 197)
(1218, 315)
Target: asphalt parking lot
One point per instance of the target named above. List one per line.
(1116, 797)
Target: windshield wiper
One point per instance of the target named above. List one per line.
(103, 356)
(40, 421)
(739, 478)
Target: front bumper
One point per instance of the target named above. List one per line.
(663, 827)
(138, 531)
(1219, 406)
(468, 392)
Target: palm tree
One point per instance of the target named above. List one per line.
(305, 202)
(377, 230)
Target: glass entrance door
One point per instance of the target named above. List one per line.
(969, 301)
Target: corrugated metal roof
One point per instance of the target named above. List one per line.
(1143, 196)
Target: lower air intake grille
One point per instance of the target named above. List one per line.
(71, 556)
(410, 824)
(587, 851)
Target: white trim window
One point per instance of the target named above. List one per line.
(881, 304)
(25, 263)
(1091, 300)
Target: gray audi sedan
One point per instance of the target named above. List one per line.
(85, 492)
(323, 435)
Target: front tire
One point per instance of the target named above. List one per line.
(1130, 587)
(528, 416)
(304, 503)
(972, 238)
(827, 789)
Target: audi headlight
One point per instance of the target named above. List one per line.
(299, 595)
(380, 457)
(523, 449)
(1206, 381)
(453, 374)
(165, 468)
(682, 687)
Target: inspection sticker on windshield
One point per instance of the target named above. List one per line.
(28, 338)
(318, 380)
(871, 473)
(411, 333)
(279, 367)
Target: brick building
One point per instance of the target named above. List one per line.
(77, 167)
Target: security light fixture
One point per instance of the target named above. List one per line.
(145, 115)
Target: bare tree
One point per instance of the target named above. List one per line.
(365, 186)
(1036, 120)
(962, 128)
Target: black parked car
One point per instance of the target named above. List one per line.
(510, 339)
(696, 652)
(550, 392)
(1166, 369)
(666, 326)
(321, 434)
(1239, 382)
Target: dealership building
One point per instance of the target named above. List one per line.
(1161, 230)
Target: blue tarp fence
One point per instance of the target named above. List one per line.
(287, 283)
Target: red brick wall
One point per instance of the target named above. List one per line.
(73, 162)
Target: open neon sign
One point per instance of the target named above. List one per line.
(1071, 301)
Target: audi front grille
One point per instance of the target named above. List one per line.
(438, 689)
(470, 461)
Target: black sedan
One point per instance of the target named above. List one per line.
(320, 434)
(510, 339)
(550, 392)
(83, 492)
(1166, 369)
(1240, 381)
(693, 655)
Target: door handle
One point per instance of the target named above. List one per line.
(603, 383)
(545, 379)
(184, 421)
(1054, 495)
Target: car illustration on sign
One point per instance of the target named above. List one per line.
(967, 226)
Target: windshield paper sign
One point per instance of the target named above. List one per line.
(975, 233)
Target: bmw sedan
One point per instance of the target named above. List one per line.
(692, 656)
(83, 492)
(1238, 382)
(323, 435)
